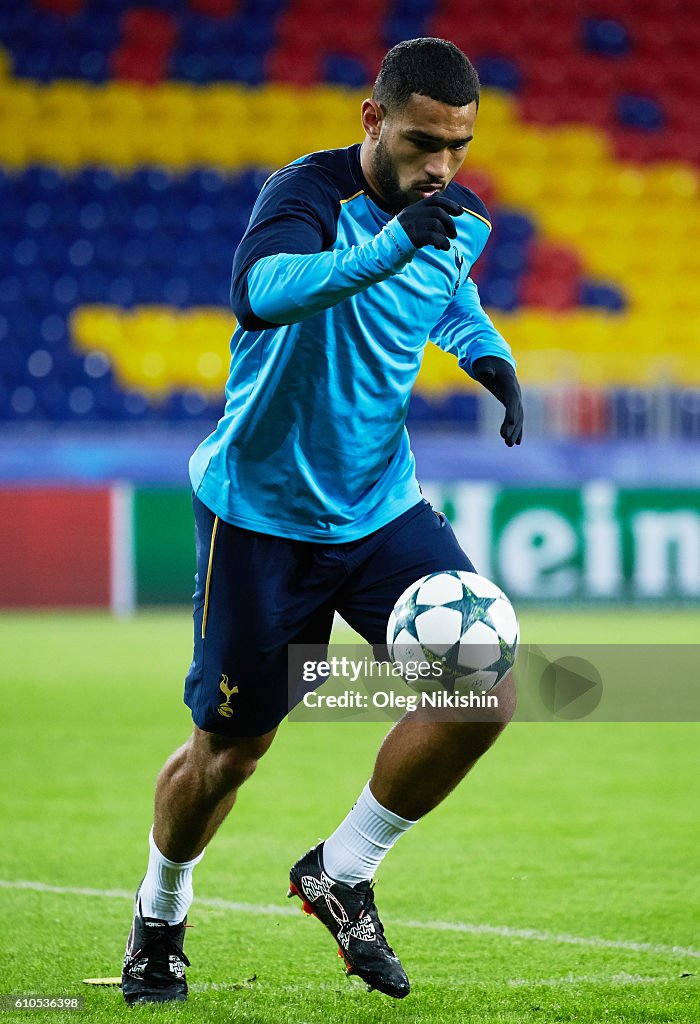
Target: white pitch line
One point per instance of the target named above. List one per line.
(533, 934)
(280, 910)
(589, 979)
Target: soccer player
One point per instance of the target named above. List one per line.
(306, 500)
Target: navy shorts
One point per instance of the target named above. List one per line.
(256, 593)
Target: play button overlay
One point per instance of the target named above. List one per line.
(571, 688)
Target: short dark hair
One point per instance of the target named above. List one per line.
(432, 67)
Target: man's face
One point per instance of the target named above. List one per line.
(420, 149)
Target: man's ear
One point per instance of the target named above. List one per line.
(373, 114)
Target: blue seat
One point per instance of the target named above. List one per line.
(264, 10)
(36, 290)
(94, 285)
(499, 73)
(136, 407)
(606, 37)
(248, 184)
(513, 226)
(108, 249)
(36, 64)
(93, 66)
(397, 28)
(191, 404)
(508, 259)
(347, 70)
(247, 68)
(81, 404)
(81, 253)
(11, 211)
(203, 180)
(251, 35)
(148, 287)
(174, 215)
(100, 32)
(191, 66)
(187, 254)
(96, 183)
(10, 292)
(218, 252)
(65, 291)
(53, 328)
(135, 254)
(121, 291)
(602, 295)
(499, 293)
(640, 112)
(150, 183)
(12, 360)
(6, 254)
(37, 215)
(24, 403)
(146, 217)
(92, 215)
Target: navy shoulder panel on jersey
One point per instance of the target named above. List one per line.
(296, 212)
(469, 200)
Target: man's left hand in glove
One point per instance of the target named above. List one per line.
(498, 377)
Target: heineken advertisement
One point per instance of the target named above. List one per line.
(125, 547)
(594, 542)
(591, 543)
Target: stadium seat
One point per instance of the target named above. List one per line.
(577, 232)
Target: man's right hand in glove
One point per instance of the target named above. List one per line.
(430, 222)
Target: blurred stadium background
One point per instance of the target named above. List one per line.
(134, 137)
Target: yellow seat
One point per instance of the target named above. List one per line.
(66, 101)
(497, 107)
(14, 148)
(578, 144)
(97, 327)
(674, 179)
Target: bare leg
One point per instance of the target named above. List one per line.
(421, 761)
(197, 788)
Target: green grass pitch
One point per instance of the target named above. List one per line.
(558, 883)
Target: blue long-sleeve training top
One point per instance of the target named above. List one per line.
(334, 308)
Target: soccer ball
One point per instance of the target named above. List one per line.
(460, 619)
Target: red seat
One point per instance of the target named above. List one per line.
(480, 182)
(298, 30)
(142, 25)
(630, 144)
(214, 8)
(552, 286)
(653, 34)
(458, 28)
(65, 8)
(296, 66)
(678, 144)
(643, 75)
(564, 106)
(139, 63)
(547, 258)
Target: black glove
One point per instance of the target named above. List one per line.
(429, 222)
(498, 377)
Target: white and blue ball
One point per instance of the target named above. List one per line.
(462, 620)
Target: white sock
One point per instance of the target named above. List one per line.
(359, 844)
(166, 891)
